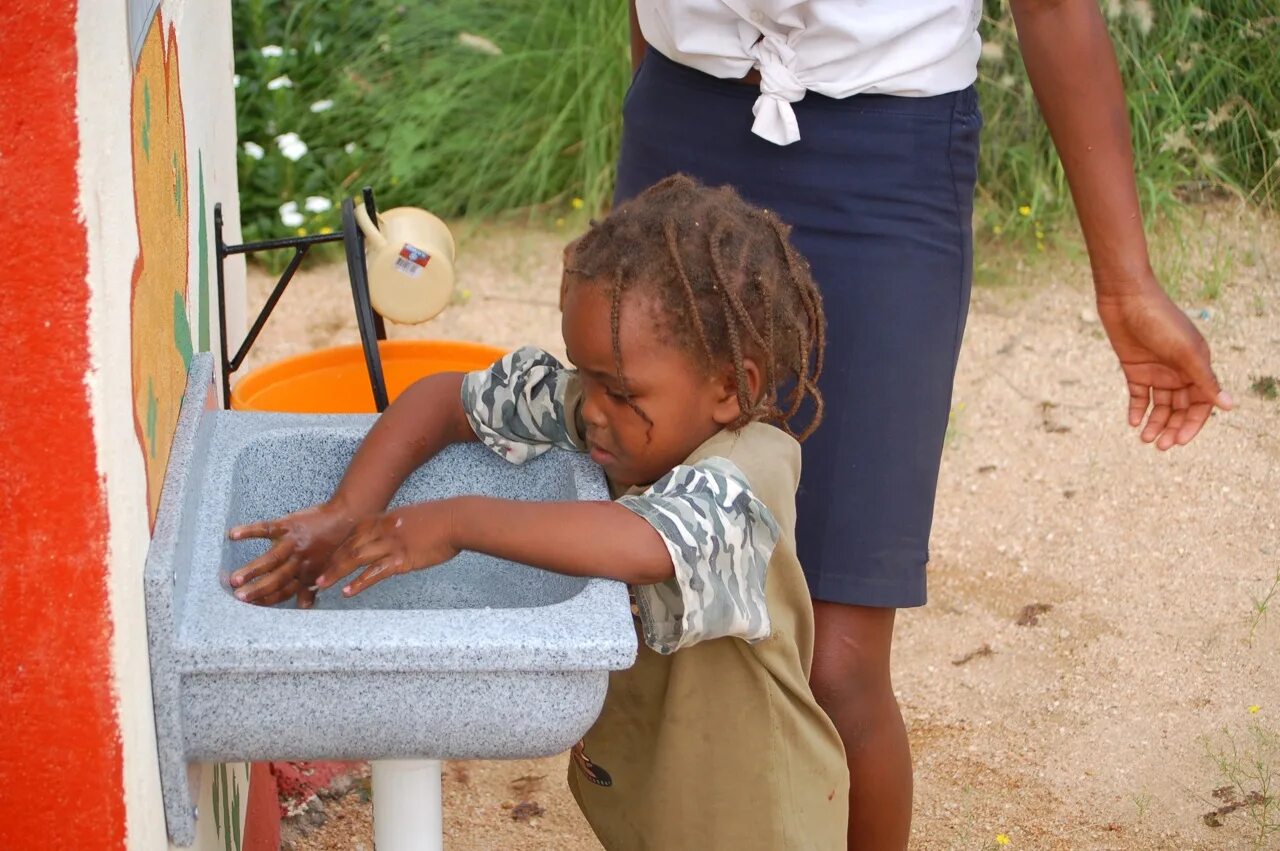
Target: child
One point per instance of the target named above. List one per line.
(684, 312)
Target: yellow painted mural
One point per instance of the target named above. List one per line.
(161, 344)
(161, 333)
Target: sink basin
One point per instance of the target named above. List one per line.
(478, 658)
(271, 477)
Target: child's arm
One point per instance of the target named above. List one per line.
(695, 546)
(423, 420)
(601, 539)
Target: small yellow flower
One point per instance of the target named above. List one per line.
(1039, 246)
(997, 229)
(1039, 234)
(326, 229)
(576, 203)
(1002, 839)
(1255, 709)
(1024, 210)
(559, 223)
(302, 231)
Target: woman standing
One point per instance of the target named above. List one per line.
(858, 124)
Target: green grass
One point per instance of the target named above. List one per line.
(1203, 90)
(481, 106)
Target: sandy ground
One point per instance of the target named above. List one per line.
(1093, 727)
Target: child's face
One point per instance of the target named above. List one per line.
(685, 402)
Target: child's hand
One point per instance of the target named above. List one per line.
(302, 544)
(410, 538)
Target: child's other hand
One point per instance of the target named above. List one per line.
(410, 538)
(302, 544)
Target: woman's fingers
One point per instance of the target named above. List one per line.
(1139, 399)
(268, 584)
(269, 561)
(1197, 415)
(1200, 370)
(387, 566)
(1175, 417)
(1161, 409)
(1169, 437)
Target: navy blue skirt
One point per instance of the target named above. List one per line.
(879, 193)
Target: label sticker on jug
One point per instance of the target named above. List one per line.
(412, 260)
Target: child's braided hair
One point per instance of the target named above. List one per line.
(729, 285)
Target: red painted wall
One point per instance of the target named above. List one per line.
(60, 754)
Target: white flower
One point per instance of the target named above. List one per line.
(289, 215)
(291, 146)
(479, 44)
(1142, 14)
(317, 204)
(1221, 115)
(1177, 141)
(281, 82)
(272, 51)
(350, 147)
(992, 52)
(317, 47)
(235, 80)
(254, 150)
(322, 105)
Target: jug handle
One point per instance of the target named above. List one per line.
(371, 232)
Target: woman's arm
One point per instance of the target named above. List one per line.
(1073, 71)
(637, 40)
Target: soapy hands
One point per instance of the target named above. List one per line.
(302, 545)
(410, 538)
(318, 546)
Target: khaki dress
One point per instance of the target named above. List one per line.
(713, 739)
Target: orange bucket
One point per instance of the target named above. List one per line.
(336, 380)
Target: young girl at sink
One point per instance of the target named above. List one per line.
(696, 333)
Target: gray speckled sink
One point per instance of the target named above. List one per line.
(477, 658)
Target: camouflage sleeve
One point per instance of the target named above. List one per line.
(720, 537)
(524, 404)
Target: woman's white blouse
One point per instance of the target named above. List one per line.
(837, 48)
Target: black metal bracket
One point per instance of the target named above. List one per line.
(371, 325)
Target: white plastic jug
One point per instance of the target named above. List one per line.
(410, 255)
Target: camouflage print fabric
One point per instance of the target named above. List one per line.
(719, 535)
(523, 405)
(721, 538)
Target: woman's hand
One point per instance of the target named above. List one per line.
(301, 546)
(410, 538)
(1165, 362)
